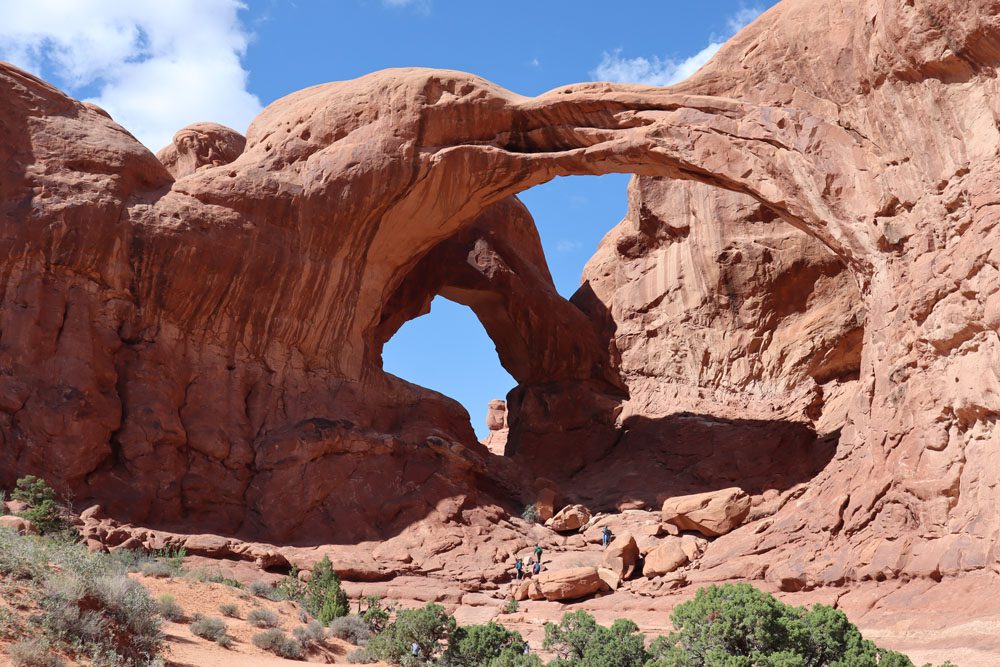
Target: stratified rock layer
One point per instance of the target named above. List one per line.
(198, 344)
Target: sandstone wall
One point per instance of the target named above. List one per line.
(202, 346)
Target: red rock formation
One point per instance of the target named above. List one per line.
(496, 421)
(202, 348)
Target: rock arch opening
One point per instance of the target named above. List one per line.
(448, 350)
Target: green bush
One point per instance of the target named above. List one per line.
(263, 618)
(43, 510)
(429, 626)
(376, 614)
(511, 606)
(530, 514)
(351, 628)
(482, 645)
(579, 640)
(208, 628)
(278, 643)
(229, 609)
(324, 597)
(168, 608)
(33, 653)
(738, 625)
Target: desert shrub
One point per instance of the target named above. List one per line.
(168, 608)
(360, 656)
(737, 624)
(88, 606)
(21, 557)
(324, 597)
(290, 587)
(530, 514)
(512, 658)
(351, 628)
(376, 614)
(480, 645)
(229, 609)
(429, 627)
(225, 641)
(263, 618)
(33, 653)
(208, 628)
(156, 568)
(105, 615)
(43, 509)
(511, 606)
(210, 576)
(579, 639)
(279, 643)
(310, 634)
(261, 589)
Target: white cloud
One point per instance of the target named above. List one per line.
(421, 6)
(656, 71)
(567, 246)
(155, 65)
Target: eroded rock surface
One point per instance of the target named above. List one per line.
(196, 343)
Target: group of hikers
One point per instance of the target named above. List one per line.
(534, 565)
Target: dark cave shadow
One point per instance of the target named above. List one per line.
(686, 453)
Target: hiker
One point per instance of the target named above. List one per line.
(519, 567)
(605, 536)
(536, 568)
(538, 553)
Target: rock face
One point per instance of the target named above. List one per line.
(196, 342)
(712, 514)
(496, 421)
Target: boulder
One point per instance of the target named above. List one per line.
(16, 506)
(712, 514)
(666, 557)
(569, 518)
(610, 577)
(622, 556)
(571, 584)
(19, 525)
(545, 503)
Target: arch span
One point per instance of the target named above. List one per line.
(216, 336)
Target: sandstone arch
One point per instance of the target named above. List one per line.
(226, 325)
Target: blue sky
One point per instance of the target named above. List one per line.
(158, 65)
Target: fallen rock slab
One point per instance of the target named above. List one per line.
(622, 556)
(664, 558)
(19, 525)
(569, 518)
(712, 514)
(571, 584)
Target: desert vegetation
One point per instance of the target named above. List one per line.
(85, 607)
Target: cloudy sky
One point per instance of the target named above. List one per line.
(156, 66)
